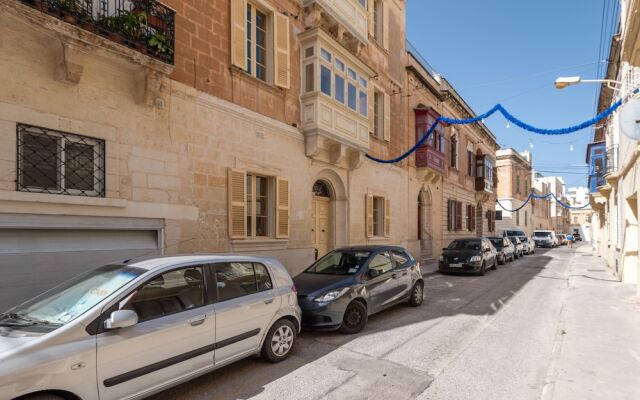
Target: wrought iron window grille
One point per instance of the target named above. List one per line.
(612, 159)
(144, 25)
(56, 162)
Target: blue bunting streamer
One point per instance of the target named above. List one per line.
(499, 108)
(545, 196)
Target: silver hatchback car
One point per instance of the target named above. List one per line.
(130, 330)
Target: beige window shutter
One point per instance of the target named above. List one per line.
(237, 188)
(281, 51)
(385, 25)
(239, 33)
(369, 215)
(371, 23)
(282, 208)
(372, 108)
(387, 218)
(387, 117)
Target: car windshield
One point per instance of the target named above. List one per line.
(514, 233)
(513, 239)
(340, 262)
(468, 244)
(73, 298)
(524, 239)
(498, 242)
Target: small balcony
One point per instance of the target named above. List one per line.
(146, 26)
(336, 103)
(428, 157)
(352, 14)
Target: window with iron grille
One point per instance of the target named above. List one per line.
(51, 161)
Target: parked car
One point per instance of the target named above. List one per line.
(545, 238)
(527, 244)
(512, 232)
(341, 289)
(562, 239)
(468, 255)
(504, 248)
(136, 328)
(577, 237)
(519, 248)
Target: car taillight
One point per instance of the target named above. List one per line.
(294, 290)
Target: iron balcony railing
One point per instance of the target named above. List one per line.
(612, 159)
(144, 25)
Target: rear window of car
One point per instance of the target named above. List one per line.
(470, 244)
(542, 234)
(497, 242)
(514, 233)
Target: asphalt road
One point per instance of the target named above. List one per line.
(488, 337)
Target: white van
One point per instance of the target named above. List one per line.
(512, 232)
(545, 238)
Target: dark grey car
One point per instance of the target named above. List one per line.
(340, 290)
(468, 255)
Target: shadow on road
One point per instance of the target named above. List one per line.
(445, 296)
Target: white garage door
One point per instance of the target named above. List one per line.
(34, 259)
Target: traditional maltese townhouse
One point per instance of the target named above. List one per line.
(452, 175)
(140, 127)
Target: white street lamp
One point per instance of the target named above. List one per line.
(564, 81)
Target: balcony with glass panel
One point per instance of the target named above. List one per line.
(335, 99)
(352, 14)
(430, 157)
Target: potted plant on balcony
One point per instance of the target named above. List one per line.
(158, 44)
(111, 27)
(70, 10)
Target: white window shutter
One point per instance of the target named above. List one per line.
(239, 33)
(281, 51)
(387, 218)
(369, 215)
(282, 208)
(387, 117)
(237, 188)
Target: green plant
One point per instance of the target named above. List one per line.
(71, 7)
(158, 43)
(133, 24)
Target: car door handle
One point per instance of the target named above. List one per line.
(197, 321)
(268, 301)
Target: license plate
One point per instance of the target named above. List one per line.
(458, 265)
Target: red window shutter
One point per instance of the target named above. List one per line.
(449, 215)
(458, 215)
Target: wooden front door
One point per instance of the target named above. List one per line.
(321, 224)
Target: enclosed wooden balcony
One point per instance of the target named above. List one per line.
(351, 14)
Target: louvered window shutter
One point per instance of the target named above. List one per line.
(372, 109)
(369, 215)
(239, 33)
(387, 117)
(387, 218)
(281, 51)
(237, 188)
(282, 208)
(385, 25)
(449, 211)
(371, 15)
(458, 215)
(468, 217)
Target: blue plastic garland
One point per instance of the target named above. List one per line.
(545, 196)
(509, 117)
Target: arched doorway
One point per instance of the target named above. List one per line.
(425, 234)
(321, 217)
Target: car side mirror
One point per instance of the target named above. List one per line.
(121, 319)
(373, 273)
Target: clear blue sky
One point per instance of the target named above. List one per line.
(510, 52)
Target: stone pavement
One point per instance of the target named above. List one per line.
(597, 349)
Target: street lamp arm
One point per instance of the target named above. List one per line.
(563, 82)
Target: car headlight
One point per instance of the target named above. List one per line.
(331, 296)
(441, 258)
(475, 259)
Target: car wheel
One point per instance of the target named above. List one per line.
(483, 269)
(354, 319)
(279, 341)
(417, 294)
(502, 260)
(495, 264)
